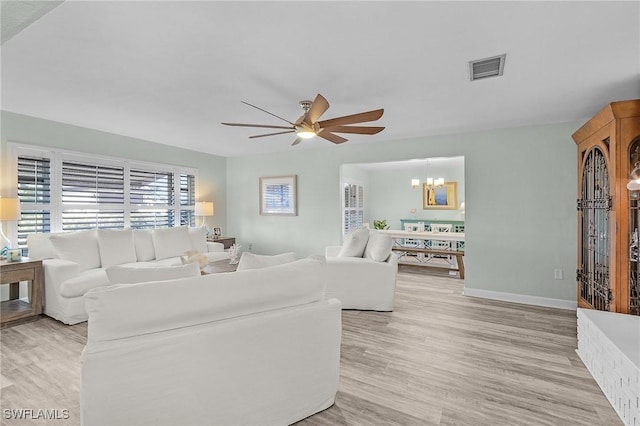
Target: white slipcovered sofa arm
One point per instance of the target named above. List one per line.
(214, 247)
(56, 271)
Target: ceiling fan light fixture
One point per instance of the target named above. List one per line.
(305, 134)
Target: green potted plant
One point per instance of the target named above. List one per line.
(380, 224)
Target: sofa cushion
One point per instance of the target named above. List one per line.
(80, 284)
(198, 236)
(378, 247)
(143, 241)
(171, 242)
(80, 247)
(40, 247)
(124, 274)
(256, 261)
(354, 243)
(116, 311)
(116, 247)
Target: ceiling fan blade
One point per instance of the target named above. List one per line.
(297, 141)
(362, 130)
(271, 134)
(362, 117)
(270, 113)
(331, 137)
(266, 126)
(318, 107)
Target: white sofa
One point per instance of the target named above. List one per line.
(363, 277)
(75, 262)
(252, 347)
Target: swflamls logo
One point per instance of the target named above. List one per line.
(35, 414)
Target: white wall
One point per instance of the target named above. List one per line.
(520, 191)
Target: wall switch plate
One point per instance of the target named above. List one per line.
(558, 274)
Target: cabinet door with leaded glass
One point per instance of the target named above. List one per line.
(594, 269)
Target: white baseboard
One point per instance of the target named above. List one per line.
(521, 298)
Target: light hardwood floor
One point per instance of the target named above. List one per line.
(439, 359)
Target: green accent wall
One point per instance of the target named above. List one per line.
(520, 191)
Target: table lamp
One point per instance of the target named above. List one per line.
(9, 210)
(204, 209)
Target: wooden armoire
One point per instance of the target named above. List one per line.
(608, 272)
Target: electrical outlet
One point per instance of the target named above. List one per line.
(558, 274)
(250, 246)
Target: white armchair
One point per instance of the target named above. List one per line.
(361, 283)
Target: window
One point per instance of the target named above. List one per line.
(187, 200)
(152, 199)
(353, 207)
(63, 191)
(34, 192)
(92, 196)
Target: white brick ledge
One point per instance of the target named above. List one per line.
(609, 346)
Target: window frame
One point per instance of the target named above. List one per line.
(56, 206)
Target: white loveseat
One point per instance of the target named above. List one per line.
(362, 272)
(252, 347)
(76, 262)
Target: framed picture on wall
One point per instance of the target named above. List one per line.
(440, 197)
(278, 195)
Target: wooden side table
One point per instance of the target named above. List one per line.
(227, 241)
(12, 273)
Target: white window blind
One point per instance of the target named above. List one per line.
(152, 199)
(34, 193)
(187, 199)
(100, 186)
(92, 184)
(65, 191)
(353, 207)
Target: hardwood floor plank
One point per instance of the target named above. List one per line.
(440, 358)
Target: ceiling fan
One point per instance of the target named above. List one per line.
(308, 126)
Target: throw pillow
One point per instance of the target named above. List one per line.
(378, 247)
(40, 247)
(116, 247)
(193, 256)
(198, 236)
(354, 243)
(257, 261)
(80, 247)
(138, 274)
(143, 240)
(171, 242)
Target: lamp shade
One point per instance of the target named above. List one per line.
(415, 183)
(9, 209)
(204, 208)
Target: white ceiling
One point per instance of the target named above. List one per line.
(170, 72)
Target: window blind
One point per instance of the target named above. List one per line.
(151, 187)
(34, 180)
(34, 193)
(152, 218)
(92, 184)
(353, 208)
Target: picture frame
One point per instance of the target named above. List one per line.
(442, 197)
(217, 233)
(278, 195)
(14, 255)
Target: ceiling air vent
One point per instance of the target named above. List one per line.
(487, 67)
